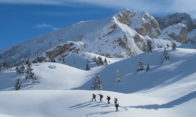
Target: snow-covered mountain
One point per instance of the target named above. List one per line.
(122, 35)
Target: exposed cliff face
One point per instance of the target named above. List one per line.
(178, 32)
(176, 18)
(64, 50)
(142, 22)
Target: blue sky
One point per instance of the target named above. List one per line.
(21, 20)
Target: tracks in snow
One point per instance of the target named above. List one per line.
(110, 111)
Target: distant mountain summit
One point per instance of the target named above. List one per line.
(125, 34)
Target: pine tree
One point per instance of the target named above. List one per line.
(29, 72)
(18, 85)
(167, 45)
(94, 59)
(87, 66)
(165, 56)
(5, 65)
(173, 46)
(149, 46)
(101, 61)
(140, 65)
(20, 69)
(17, 69)
(105, 61)
(27, 62)
(97, 61)
(118, 77)
(97, 83)
(148, 68)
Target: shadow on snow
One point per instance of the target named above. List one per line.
(171, 104)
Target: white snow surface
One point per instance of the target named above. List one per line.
(168, 90)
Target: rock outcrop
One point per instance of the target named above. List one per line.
(142, 22)
(176, 18)
(178, 32)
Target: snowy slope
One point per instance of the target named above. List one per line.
(50, 75)
(181, 66)
(167, 90)
(77, 104)
(59, 76)
(192, 35)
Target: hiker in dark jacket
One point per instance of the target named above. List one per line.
(115, 100)
(108, 98)
(94, 97)
(101, 96)
(116, 105)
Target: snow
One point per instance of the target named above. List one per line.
(192, 35)
(138, 19)
(130, 34)
(172, 29)
(176, 28)
(58, 76)
(77, 104)
(167, 90)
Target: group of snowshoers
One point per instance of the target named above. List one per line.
(116, 104)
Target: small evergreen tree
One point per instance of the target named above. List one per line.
(87, 66)
(141, 65)
(17, 69)
(29, 73)
(105, 61)
(20, 69)
(5, 65)
(149, 46)
(148, 68)
(27, 62)
(118, 77)
(165, 56)
(167, 45)
(94, 59)
(18, 85)
(173, 46)
(97, 83)
(99, 61)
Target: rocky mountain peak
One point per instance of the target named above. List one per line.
(142, 22)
